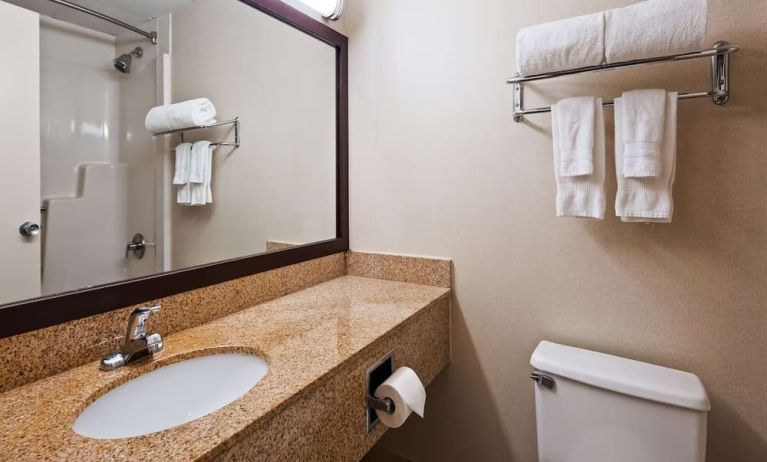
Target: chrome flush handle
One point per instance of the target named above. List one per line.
(544, 380)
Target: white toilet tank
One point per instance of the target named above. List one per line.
(593, 407)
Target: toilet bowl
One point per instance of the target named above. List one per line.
(594, 407)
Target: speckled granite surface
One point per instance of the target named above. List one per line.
(417, 270)
(271, 246)
(317, 341)
(35, 355)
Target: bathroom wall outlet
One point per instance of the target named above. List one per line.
(376, 375)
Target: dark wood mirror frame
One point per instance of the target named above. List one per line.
(17, 318)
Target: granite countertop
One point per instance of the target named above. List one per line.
(305, 337)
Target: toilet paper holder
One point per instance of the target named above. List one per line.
(386, 405)
(375, 376)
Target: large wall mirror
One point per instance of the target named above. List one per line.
(102, 209)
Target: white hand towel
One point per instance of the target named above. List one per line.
(647, 200)
(655, 28)
(559, 45)
(193, 113)
(575, 121)
(644, 113)
(197, 162)
(183, 159)
(208, 177)
(184, 194)
(583, 196)
(201, 191)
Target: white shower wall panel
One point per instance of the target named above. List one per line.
(80, 110)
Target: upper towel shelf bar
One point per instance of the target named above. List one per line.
(720, 77)
(235, 122)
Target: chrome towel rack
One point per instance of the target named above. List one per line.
(720, 77)
(235, 122)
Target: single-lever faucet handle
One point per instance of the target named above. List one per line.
(137, 322)
(137, 343)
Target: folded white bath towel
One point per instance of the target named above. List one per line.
(647, 200)
(193, 113)
(201, 191)
(183, 159)
(575, 121)
(655, 28)
(566, 44)
(643, 115)
(582, 196)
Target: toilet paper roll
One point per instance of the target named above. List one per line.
(406, 390)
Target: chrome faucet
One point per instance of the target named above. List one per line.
(137, 343)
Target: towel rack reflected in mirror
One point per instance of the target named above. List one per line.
(720, 77)
(235, 122)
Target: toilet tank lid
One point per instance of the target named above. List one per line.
(633, 378)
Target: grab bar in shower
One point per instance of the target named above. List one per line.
(152, 36)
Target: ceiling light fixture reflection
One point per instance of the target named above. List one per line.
(329, 9)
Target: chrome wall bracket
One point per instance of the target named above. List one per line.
(720, 77)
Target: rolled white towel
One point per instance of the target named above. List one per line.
(559, 45)
(197, 112)
(655, 28)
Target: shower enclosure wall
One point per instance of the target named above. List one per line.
(98, 163)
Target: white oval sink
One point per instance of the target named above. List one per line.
(171, 396)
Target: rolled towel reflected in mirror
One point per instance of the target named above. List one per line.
(198, 112)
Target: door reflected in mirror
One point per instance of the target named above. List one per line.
(114, 196)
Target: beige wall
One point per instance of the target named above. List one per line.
(438, 167)
(280, 185)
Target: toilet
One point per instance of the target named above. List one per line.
(594, 407)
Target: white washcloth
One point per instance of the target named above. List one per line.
(201, 191)
(183, 159)
(575, 121)
(647, 200)
(184, 194)
(559, 45)
(197, 162)
(583, 196)
(644, 113)
(655, 28)
(193, 113)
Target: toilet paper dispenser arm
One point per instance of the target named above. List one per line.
(386, 405)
